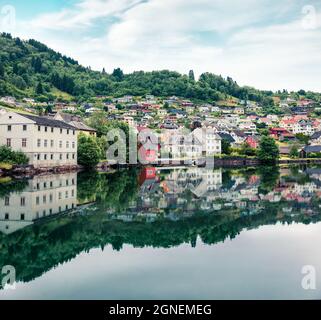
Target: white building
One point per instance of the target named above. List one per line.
(46, 142)
(43, 196)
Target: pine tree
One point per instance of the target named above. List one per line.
(39, 88)
(191, 75)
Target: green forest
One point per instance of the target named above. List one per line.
(31, 69)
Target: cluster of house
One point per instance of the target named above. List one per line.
(238, 122)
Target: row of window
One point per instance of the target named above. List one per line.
(24, 128)
(50, 184)
(51, 156)
(44, 213)
(44, 198)
(45, 143)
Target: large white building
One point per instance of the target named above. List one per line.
(42, 197)
(46, 142)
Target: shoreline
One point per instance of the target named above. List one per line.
(29, 171)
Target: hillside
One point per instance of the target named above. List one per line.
(31, 69)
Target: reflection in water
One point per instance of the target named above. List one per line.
(50, 219)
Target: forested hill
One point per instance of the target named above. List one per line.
(31, 69)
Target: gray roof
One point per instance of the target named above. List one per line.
(316, 135)
(42, 121)
(312, 149)
(226, 136)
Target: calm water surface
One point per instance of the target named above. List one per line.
(188, 233)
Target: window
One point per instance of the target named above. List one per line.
(73, 156)
(24, 143)
(45, 157)
(37, 200)
(24, 127)
(39, 128)
(46, 143)
(44, 199)
(50, 197)
(67, 156)
(60, 144)
(60, 130)
(8, 142)
(51, 184)
(59, 195)
(22, 216)
(72, 193)
(73, 145)
(22, 201)
(66, 194)
(60, 156)
(39, 143)
(52, 129)
(6, 216)
(50, 211)
(51, 157)
(51, 143)
(45, 184)
(67, 182)
(46, 129)
(38, 156)
(9, 127)
(67, 131)
(73, 132)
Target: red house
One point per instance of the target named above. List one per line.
(252, 141)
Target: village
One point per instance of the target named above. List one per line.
(233, 128)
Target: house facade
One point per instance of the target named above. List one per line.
(46, 142)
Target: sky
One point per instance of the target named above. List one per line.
(268, 44)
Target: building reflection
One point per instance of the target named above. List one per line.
(161, 193)
(44, 196)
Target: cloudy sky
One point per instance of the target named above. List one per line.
(269, 44)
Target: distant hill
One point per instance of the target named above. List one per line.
(31, 69)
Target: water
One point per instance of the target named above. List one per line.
(163, 234)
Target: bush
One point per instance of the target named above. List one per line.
(88, 151)
(268, 151)
(7, 155)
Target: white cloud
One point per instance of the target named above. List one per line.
(245, 40)
(83, 14)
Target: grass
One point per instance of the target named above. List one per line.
(5, 166)
(13, 109)
(5, 180)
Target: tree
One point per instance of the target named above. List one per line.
(247, 150)
(302, 138)
(1, 70)
(191, 75)
(118, 74)
(39, 89)
(268, 151)
(294, 152)
(88, 151)
(226, 146)
(12, 157)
